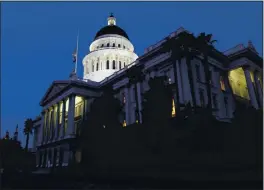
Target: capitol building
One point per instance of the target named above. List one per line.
(111, 55)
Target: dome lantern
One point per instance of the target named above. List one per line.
(111, 20)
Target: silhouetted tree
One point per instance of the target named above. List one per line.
(157, 109)
(187, 44)
(99, 132)
(135, 75)
(28, 129)
(11, 154)
(204, 44)
(172, 45)
(247, 132)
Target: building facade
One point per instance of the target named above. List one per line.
(66, 102)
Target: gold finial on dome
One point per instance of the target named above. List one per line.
(111, 20)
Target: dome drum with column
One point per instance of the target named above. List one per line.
(109, 52)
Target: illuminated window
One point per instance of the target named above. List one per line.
(107, 64)
(124, 123)
(222, 83)
(197, 69)
(173, 113)
(114, 66)
(120, 65)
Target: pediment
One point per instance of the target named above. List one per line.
(53, 90)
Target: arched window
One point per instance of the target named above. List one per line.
(113, 44)
(124, 64)
(107, 45)
(107, 64)
(120, 65)
(124, 47)
(92, 67)
(102, 45)
(119, 45)
(114, 66)
(97, 66)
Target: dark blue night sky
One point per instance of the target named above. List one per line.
(38, 39)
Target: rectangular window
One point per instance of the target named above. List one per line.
(215, 101)
(201, 93)
(197, 69)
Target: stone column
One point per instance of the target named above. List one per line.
(57, 133)
(195, 84)
(48, 126)
(221, 104)
(250, 87)
(37, 158)
(258, 89)
(127, 104)
(42, 128)
(71, 113)
(139, 101)
(63, 118)
(84, 109)
(185, 82)
(51, 123)
(179, 79)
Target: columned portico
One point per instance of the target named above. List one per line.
(57, 123)
(71, 114)
(63, 118)
(250, 86)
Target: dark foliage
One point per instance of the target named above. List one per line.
(14, 158)
(157, 108)
(99, 133)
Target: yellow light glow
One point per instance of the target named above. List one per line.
(173, 113)
(124, 123)
(238, 83)
(67, 105)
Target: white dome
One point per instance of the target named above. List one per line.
(108, 54)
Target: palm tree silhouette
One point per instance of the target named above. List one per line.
(28, 128)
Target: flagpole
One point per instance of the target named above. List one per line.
(77, 53)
